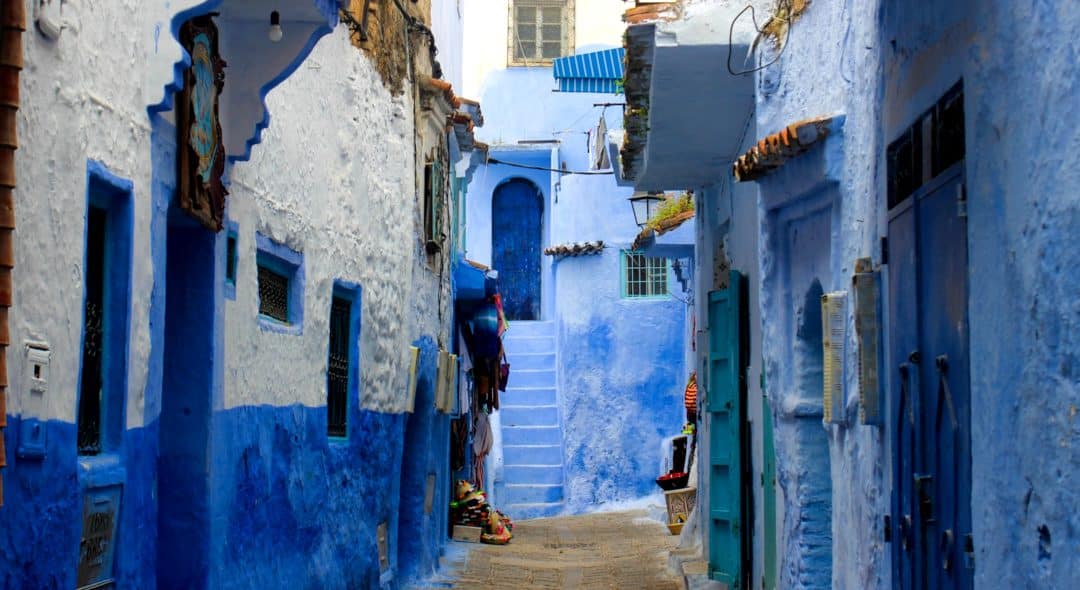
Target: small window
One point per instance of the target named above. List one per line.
(343, 356)
(927, 148)
(273, 294)
(644, 276)
(230, 258)
(94, 319)
(540, 31)
(434, 202)
(106, 312)
(281, 280)
(231, 253)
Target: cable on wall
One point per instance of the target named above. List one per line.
(782, 4)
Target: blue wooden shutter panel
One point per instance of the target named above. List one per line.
(727, 357)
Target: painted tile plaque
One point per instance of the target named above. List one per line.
(201, 154)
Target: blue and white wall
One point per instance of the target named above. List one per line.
(881, 65)
(621, 365)
(333, 180)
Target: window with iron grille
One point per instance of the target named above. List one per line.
(434, 202)
(338, 365)
(103, 375)
(91, 381)
(280, 275)
(933, 143)
(273, 294)
(643, 276)
(540, 31)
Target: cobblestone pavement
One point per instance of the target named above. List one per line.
(622, 550)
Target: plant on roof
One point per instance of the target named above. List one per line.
(671, 208)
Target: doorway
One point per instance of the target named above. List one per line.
(928, 292)
(517, 211)
(186, 393)
(929, 371)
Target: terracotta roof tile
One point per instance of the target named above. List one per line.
(773, 150)
(576, 249)
(652, 12)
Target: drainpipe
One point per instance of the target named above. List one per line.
(12, 25)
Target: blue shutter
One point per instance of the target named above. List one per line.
(727, 359)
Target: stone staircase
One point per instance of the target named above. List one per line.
(531, 432)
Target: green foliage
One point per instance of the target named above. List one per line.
(669, 208)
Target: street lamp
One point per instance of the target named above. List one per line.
(644, 205)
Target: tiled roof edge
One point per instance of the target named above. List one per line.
(772, 151)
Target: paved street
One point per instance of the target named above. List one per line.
(609, 550)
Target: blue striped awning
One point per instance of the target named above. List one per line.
(599, 71)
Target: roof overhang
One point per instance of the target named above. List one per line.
(254, 64)
(686, 111)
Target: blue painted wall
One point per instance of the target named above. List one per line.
(1023, 220)
(882, 64)
(621, 372)
(422, 534)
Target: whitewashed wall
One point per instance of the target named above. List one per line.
(334, 178)
(71, 112)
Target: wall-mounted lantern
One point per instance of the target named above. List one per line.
(644, 206)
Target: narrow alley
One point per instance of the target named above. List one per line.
(605, 550)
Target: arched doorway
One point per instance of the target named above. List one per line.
(517, 210)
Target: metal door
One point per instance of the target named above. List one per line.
(516, 217)
(728, 524)
(930, 390)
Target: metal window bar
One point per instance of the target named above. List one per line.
(646, 276)
(91, 379)
(337, 373)
(273, 294)
(927, 148)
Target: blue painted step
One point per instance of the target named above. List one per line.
(531, 378)
(537, 510)
(529, 415)
(535, 360)
(532, 494)
(540, 345)
(532, 455)
(527, 396)
(530, 329)
(531, 435)
(536, 474)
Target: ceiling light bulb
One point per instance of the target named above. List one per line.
(275, 32)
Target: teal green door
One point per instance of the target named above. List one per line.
(728, 522)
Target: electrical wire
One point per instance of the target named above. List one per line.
(782, 4)
(542, 169)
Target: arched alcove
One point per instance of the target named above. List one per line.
(812, 444)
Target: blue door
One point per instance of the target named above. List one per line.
(728, 436)
(516, 219)
(930, 389)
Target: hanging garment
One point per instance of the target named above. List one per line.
(482, 436)
(504, 370)
(459, 438)
(690, 398)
